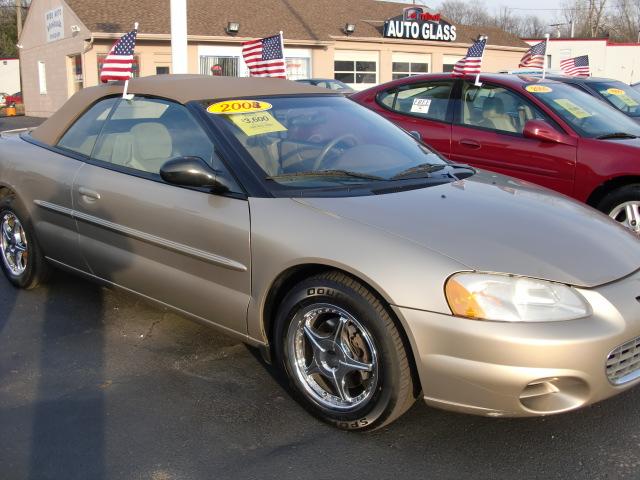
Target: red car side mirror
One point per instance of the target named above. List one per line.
(541, 130)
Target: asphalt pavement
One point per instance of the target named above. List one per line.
(10, 123)
(98, 384)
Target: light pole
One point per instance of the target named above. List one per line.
(179, 52)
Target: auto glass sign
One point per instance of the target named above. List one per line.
(417, 24)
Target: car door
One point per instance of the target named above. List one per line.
(421, 107)
(185, 247)
(487, 133)
(50, 177)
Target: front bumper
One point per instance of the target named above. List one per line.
(524, 369)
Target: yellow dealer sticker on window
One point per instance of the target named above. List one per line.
(615, 91)
(628, 100)
(572, 108)
(238, 106)
(539, 89)
(257, 123)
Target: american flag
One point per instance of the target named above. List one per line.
(472, 62)
(576, 67)
(265, 57)
(119, 62)
(534, 58)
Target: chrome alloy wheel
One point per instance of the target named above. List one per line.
(333, 357)
(628, 214)
(14, 244)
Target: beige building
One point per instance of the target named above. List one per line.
(620, 61)
(361, 42)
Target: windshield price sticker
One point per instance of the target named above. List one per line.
(421, 105)
(257, 123)
(539, 89)
(615, 91)
(572, 108)
(238, 106)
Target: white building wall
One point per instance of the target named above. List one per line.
(610, 60)
(9, 75)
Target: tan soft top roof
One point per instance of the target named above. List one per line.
(181, 88)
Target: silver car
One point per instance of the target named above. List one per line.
(369, 269)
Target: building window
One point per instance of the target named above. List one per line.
(298, 68)
(448, 61)
(135, 65)
(409, 64)
(164, 70)
(223, 66)
(76, 79)
(353, 71)
(549, 62)
(42, 78)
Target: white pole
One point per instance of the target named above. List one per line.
(125, 91)
(478, 83)
(544, 59)
(179, 36)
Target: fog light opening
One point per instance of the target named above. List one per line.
(554, 395)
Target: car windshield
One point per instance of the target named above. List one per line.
(620, 95)
(324, 142)
(587, 115)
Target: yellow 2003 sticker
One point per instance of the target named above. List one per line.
(238, 106)
(615, 91)
(257, 123)
(538, 89)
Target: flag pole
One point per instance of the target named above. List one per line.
(544, 59)
(125, 95)
(482, 37)
(283, 58)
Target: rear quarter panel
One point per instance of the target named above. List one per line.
(600, 161)
(36, 174)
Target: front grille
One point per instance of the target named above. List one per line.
(623, 363)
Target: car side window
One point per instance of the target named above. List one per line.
(496, 108)
(82, 135)
(426, 100)
(144, 133)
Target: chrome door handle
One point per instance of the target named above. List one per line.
(88, 193)
(470, 143)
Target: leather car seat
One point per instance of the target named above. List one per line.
(494, 116)
(152, 146)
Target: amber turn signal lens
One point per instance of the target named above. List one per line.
(462, 302)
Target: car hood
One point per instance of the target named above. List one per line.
(498, 224)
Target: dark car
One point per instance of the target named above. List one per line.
(329, 83)
(538, 130)
(618, 94)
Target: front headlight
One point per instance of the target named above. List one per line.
(503, 298)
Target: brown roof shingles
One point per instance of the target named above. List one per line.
(317, 20)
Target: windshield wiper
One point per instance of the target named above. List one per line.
(616, 135)
(326, 173)
(425, 170)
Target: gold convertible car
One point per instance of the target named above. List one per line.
(368, 268)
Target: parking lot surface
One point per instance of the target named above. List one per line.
(10, 123)
(96, 384)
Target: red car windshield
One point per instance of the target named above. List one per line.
(587, 115)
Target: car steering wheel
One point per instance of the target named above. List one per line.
(330, 146)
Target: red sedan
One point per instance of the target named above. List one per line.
(538, 130)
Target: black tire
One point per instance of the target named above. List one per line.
(394, 391)
(37, 270)
(628, 193)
